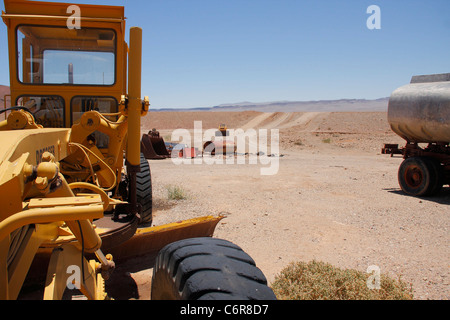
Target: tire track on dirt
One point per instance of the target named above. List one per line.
(255, 122)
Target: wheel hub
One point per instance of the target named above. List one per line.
(413, 176)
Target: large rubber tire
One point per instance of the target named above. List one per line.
(144, 191)
(420, 176)
(207, 269)
(439, 175)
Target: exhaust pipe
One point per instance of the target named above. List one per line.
(134, 97)
(134, 115)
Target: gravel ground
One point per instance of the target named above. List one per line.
(345, 209)
(335, 198)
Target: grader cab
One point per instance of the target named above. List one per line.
(73, 182)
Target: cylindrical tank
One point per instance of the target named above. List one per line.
(420, 111)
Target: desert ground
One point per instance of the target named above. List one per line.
(335, 198)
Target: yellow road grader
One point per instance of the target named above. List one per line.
(75, 191)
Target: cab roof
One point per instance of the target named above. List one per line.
(27, 7)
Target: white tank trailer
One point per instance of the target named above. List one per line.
(420, 113)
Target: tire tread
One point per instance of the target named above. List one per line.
(207, 268)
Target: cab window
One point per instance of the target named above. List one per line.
(82, 104)
(48, 111)
(58, 55)
(104, 105)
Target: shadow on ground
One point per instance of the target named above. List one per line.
(443, 197)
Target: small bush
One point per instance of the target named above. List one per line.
(176, 193)
(327, 140)
(321, 281)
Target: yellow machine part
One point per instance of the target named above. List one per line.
(152, 239)
(40, 216)
(146, 242)
(148, 239)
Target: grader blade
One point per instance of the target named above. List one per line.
(152, 239)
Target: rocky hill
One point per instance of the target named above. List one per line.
(342, 105)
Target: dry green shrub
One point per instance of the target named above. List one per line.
(321, 281)
(176, 193)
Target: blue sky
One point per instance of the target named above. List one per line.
(201, 53)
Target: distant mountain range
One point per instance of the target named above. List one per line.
(343, 105)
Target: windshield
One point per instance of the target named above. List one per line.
(56, 55)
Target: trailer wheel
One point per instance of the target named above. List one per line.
(144, 191)
(419, 176)
(439, 174)
(207, 269)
